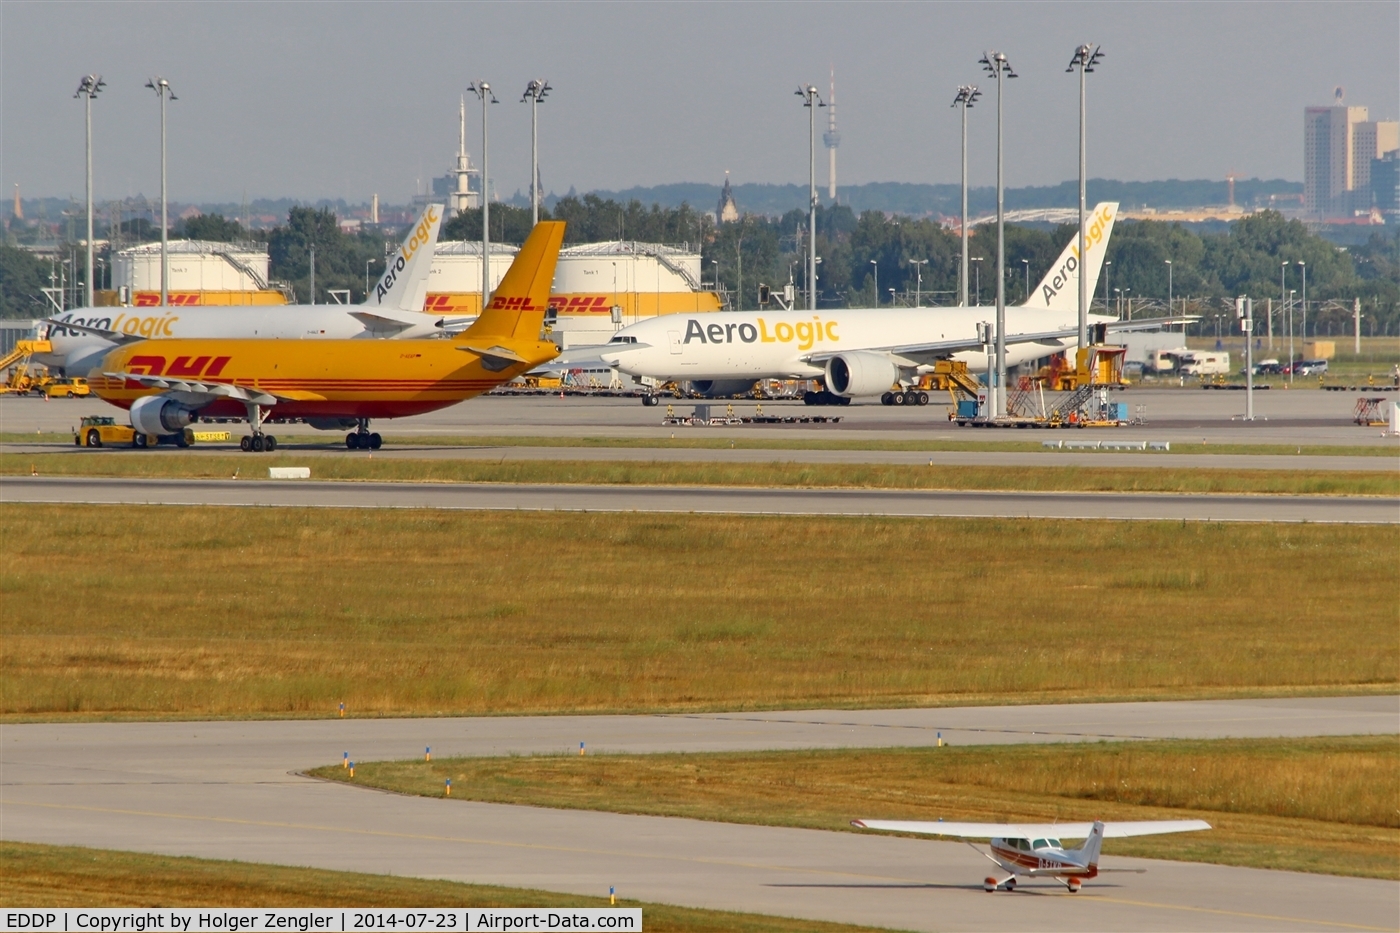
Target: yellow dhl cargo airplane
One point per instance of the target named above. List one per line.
(332, 384)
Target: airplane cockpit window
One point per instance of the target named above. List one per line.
(623, 340)
(1038, 844)
(1054, 843)
(1021, 844)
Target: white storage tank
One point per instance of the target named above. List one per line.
(195, 265)
(622, 266)
(456, 266)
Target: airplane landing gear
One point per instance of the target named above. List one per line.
(362, 438)
(259, 441)
(1073, 885)
(990, 884)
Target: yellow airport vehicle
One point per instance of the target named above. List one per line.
(20, 378)
(77, 387)
(103, 431)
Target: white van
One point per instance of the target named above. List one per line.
(1164, 360)
(1204, 363)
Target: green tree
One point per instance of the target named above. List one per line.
(211, 227)
(341, 258)
(23, 276)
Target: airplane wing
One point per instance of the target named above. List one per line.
(923, 353)
(195, 392)
(1035, 830)
(116, 337)
(382, 320)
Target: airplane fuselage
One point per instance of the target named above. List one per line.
(314, 379)
(264, 322)
(779, 345)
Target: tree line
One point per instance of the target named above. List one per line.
(1257, 255)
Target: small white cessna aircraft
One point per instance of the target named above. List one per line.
(1034, 850)
(83, 336)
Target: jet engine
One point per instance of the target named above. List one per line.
(854, 374)
(157, 415)
(722, 388)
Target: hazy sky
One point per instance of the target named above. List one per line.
(334, 99)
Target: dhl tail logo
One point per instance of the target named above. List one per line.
(511, 303)
(182, 367)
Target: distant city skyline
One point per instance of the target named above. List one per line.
(330, 100)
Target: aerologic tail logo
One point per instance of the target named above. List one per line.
(1093, 236)
(807, 334)
(416, 239)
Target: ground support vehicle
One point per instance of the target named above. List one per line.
(103, 431)
(76, 387)
(1098, 369)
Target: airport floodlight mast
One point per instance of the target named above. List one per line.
(1304, 267)
(162, 89)
(535, 92)
(875, 271)
(967, 96)
(918, 265)
(998, 67)
(88, 88)
(812, 100)
(1085, 58)
(483, 92)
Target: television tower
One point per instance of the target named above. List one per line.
(463, 198)
(832, 138)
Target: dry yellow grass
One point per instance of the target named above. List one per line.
(1323, 805)
(69, 876)
(1158, 477)
(115, 611)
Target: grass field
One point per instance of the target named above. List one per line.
(1321, 805)
(69, 876)
(661, 473)
(139, 612)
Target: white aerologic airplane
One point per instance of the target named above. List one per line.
(1034, 850)
(859, 351)
(83, 336)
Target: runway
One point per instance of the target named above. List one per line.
(702, 500)
(227, 790)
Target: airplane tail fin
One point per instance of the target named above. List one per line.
(519, 303)
(1089, 852)
(404, 284)
(1059, 290)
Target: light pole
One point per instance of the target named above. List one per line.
(483, 92)
(1282, 298)
(1291, 293)
(918, 265)
(1304, 267)
(367, 262)
(1106, 266)
(88, 88)
(535, 92)
(876, 273)
(997, 66)
(162, 89)
(978, 279)
(811, 100)
(1085, 58)
(1169, 289)
(967, 96)
(1027, 264)
(1118, 303)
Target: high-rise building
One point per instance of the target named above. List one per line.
(1339, 145)
(1385, 183)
